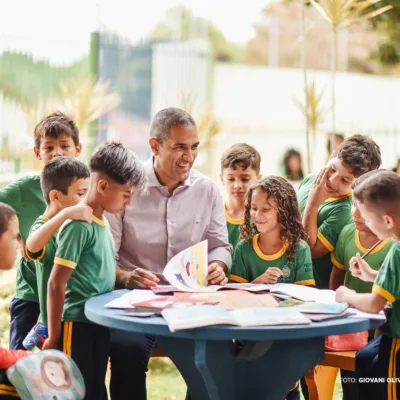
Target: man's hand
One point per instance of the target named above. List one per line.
(50, 343)
(271, 275)
(361, 270)
(216, 273)
(80, 212)
(318, 192)
(141, 278)
(342, 294)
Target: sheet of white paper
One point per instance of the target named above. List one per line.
(127, 300)
(305, 293)
(361, 314)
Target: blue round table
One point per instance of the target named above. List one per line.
(265, 366)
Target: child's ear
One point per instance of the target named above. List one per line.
(102, 185)
(220, 177)
(389, 221)
(259, 177)
(154, 145)
(54, 196)
(78, 149)
(37, 153)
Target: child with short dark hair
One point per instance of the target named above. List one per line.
(84, 265)
(240, 168)
(354, 238)
(55, 135)
(65, 182)
(378, 199)
(9, 245)
(325, 199)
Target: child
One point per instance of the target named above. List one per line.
(56, 135)
(354, 238)
(378, 199)
(325, 200)
(84, 265)
(65, 182)
(9, 245)
(272, 248)
(240, 168)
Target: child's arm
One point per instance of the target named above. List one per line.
(10, 357)
(360, 269)
(38, 239)
(368, 302)
(316, 197)
(337, 277)
(55, 303)
(271, 275)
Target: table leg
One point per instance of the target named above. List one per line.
(212, 370)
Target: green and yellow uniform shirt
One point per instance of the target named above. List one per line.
(333, 215)
(89, 250)
(347, 246)
(44, 261)
(249, 262)
(387, 284)
(233, 226)
(26, 197)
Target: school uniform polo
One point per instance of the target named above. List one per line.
(88, 249)
(249, 262)
(348, 245)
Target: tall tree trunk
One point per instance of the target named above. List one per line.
(333, 82)
(305, 77)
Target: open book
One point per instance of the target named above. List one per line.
(204, 315)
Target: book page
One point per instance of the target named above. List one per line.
(127, 300)
(188, 270)
(187, 317)
(268, 316)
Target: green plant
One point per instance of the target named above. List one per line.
(341, 14)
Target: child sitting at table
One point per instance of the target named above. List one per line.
(272, 248)
(378, 199)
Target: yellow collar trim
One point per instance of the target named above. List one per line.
(267, 257)
(233, 221)
(99, 221)
(43, 218)
(337, 198)
(363, 249)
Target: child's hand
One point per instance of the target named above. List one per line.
(271, 275)
(341, 295)
(360, 269)
(81, 212)
(50, 343)
(318, 192)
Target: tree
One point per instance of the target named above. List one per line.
(342, 14)
(180, 23)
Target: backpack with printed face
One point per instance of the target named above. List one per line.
(47, 375)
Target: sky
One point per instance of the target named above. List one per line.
(60, 30)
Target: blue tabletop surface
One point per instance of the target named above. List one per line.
(112, 318)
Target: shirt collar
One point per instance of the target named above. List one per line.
(152, 177)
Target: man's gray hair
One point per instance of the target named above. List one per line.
(165, 119)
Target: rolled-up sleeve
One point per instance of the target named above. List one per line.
(219, 248)
(116, 222)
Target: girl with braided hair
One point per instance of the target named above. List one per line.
(272, 247)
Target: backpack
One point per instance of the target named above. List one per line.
(47, 375)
